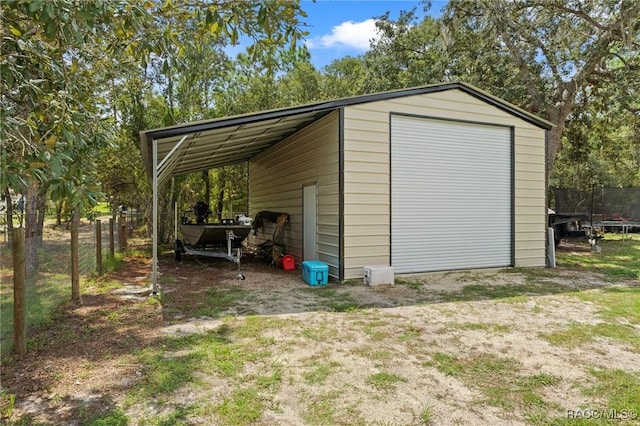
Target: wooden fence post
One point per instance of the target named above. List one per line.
(75, 257)
(112, 246)
(19, 293)
(99, 246)
(122, 232)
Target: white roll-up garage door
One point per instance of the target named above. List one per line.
(451, 195)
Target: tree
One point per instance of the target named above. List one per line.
(344, 77)
(563, 51)
(549, 57)
(601, 144)
(50, 121)
(61, 59)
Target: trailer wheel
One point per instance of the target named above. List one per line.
(178, 249)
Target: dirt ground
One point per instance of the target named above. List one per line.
(84, 362)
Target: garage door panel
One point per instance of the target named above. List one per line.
(451, 195)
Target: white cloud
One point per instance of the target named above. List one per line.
(349, 34)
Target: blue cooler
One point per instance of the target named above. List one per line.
(315, 272)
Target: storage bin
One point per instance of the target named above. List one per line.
(378, 275)
(315, 272)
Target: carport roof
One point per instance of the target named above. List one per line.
(208, 144)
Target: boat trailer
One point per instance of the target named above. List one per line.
(221, 240)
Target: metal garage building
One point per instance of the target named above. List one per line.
(433, 178)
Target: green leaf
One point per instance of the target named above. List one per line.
(15, 31)
(51, 30)
(51, 141)
(35, 5)
(214, 28)
(262, 15)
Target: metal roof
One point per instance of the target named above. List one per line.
(208, 144)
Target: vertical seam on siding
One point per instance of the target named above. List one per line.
(341, 194)
(513, 196)
(390, 193)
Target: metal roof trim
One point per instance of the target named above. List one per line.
(334, 104)
(317, 110)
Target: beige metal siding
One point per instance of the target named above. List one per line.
(367, 179)
(276, 178)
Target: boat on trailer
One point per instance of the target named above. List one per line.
(200, 238)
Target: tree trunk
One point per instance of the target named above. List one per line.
(169, 229)
(41, 210)
(7, 194)
(165, 214)
(556, 116)
(75, 257)
(553, 146)
(59, 205)
(31, 227)
(222, 177)
(207, 187)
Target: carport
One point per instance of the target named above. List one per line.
(203, 145)
(440, 177)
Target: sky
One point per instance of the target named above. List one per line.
(339, 28)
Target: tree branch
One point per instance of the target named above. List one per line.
(561, 6)
(524, 70)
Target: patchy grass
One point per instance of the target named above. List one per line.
(254, 326)
(174, 364)
(385, 381)
(104, 286)
(621, 389)
(503, 291)
(578, 334)
(532, 275)
(499, 380)
(179, 362)
(322, 332)
(619, 309)
(344, 303)
(320, 373)
(415, 285)
(244, 406)
(214, 302)
(426, 416)
(488, 327)
(410, 332)
(110, 264)
(322, 409)
(270, 382)
(163, 373)
(44, 294)
(615, 302)
(618, 259)
(332, 299)
(618, 393)
(315, 367)
(115, 417)
(379, 355)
